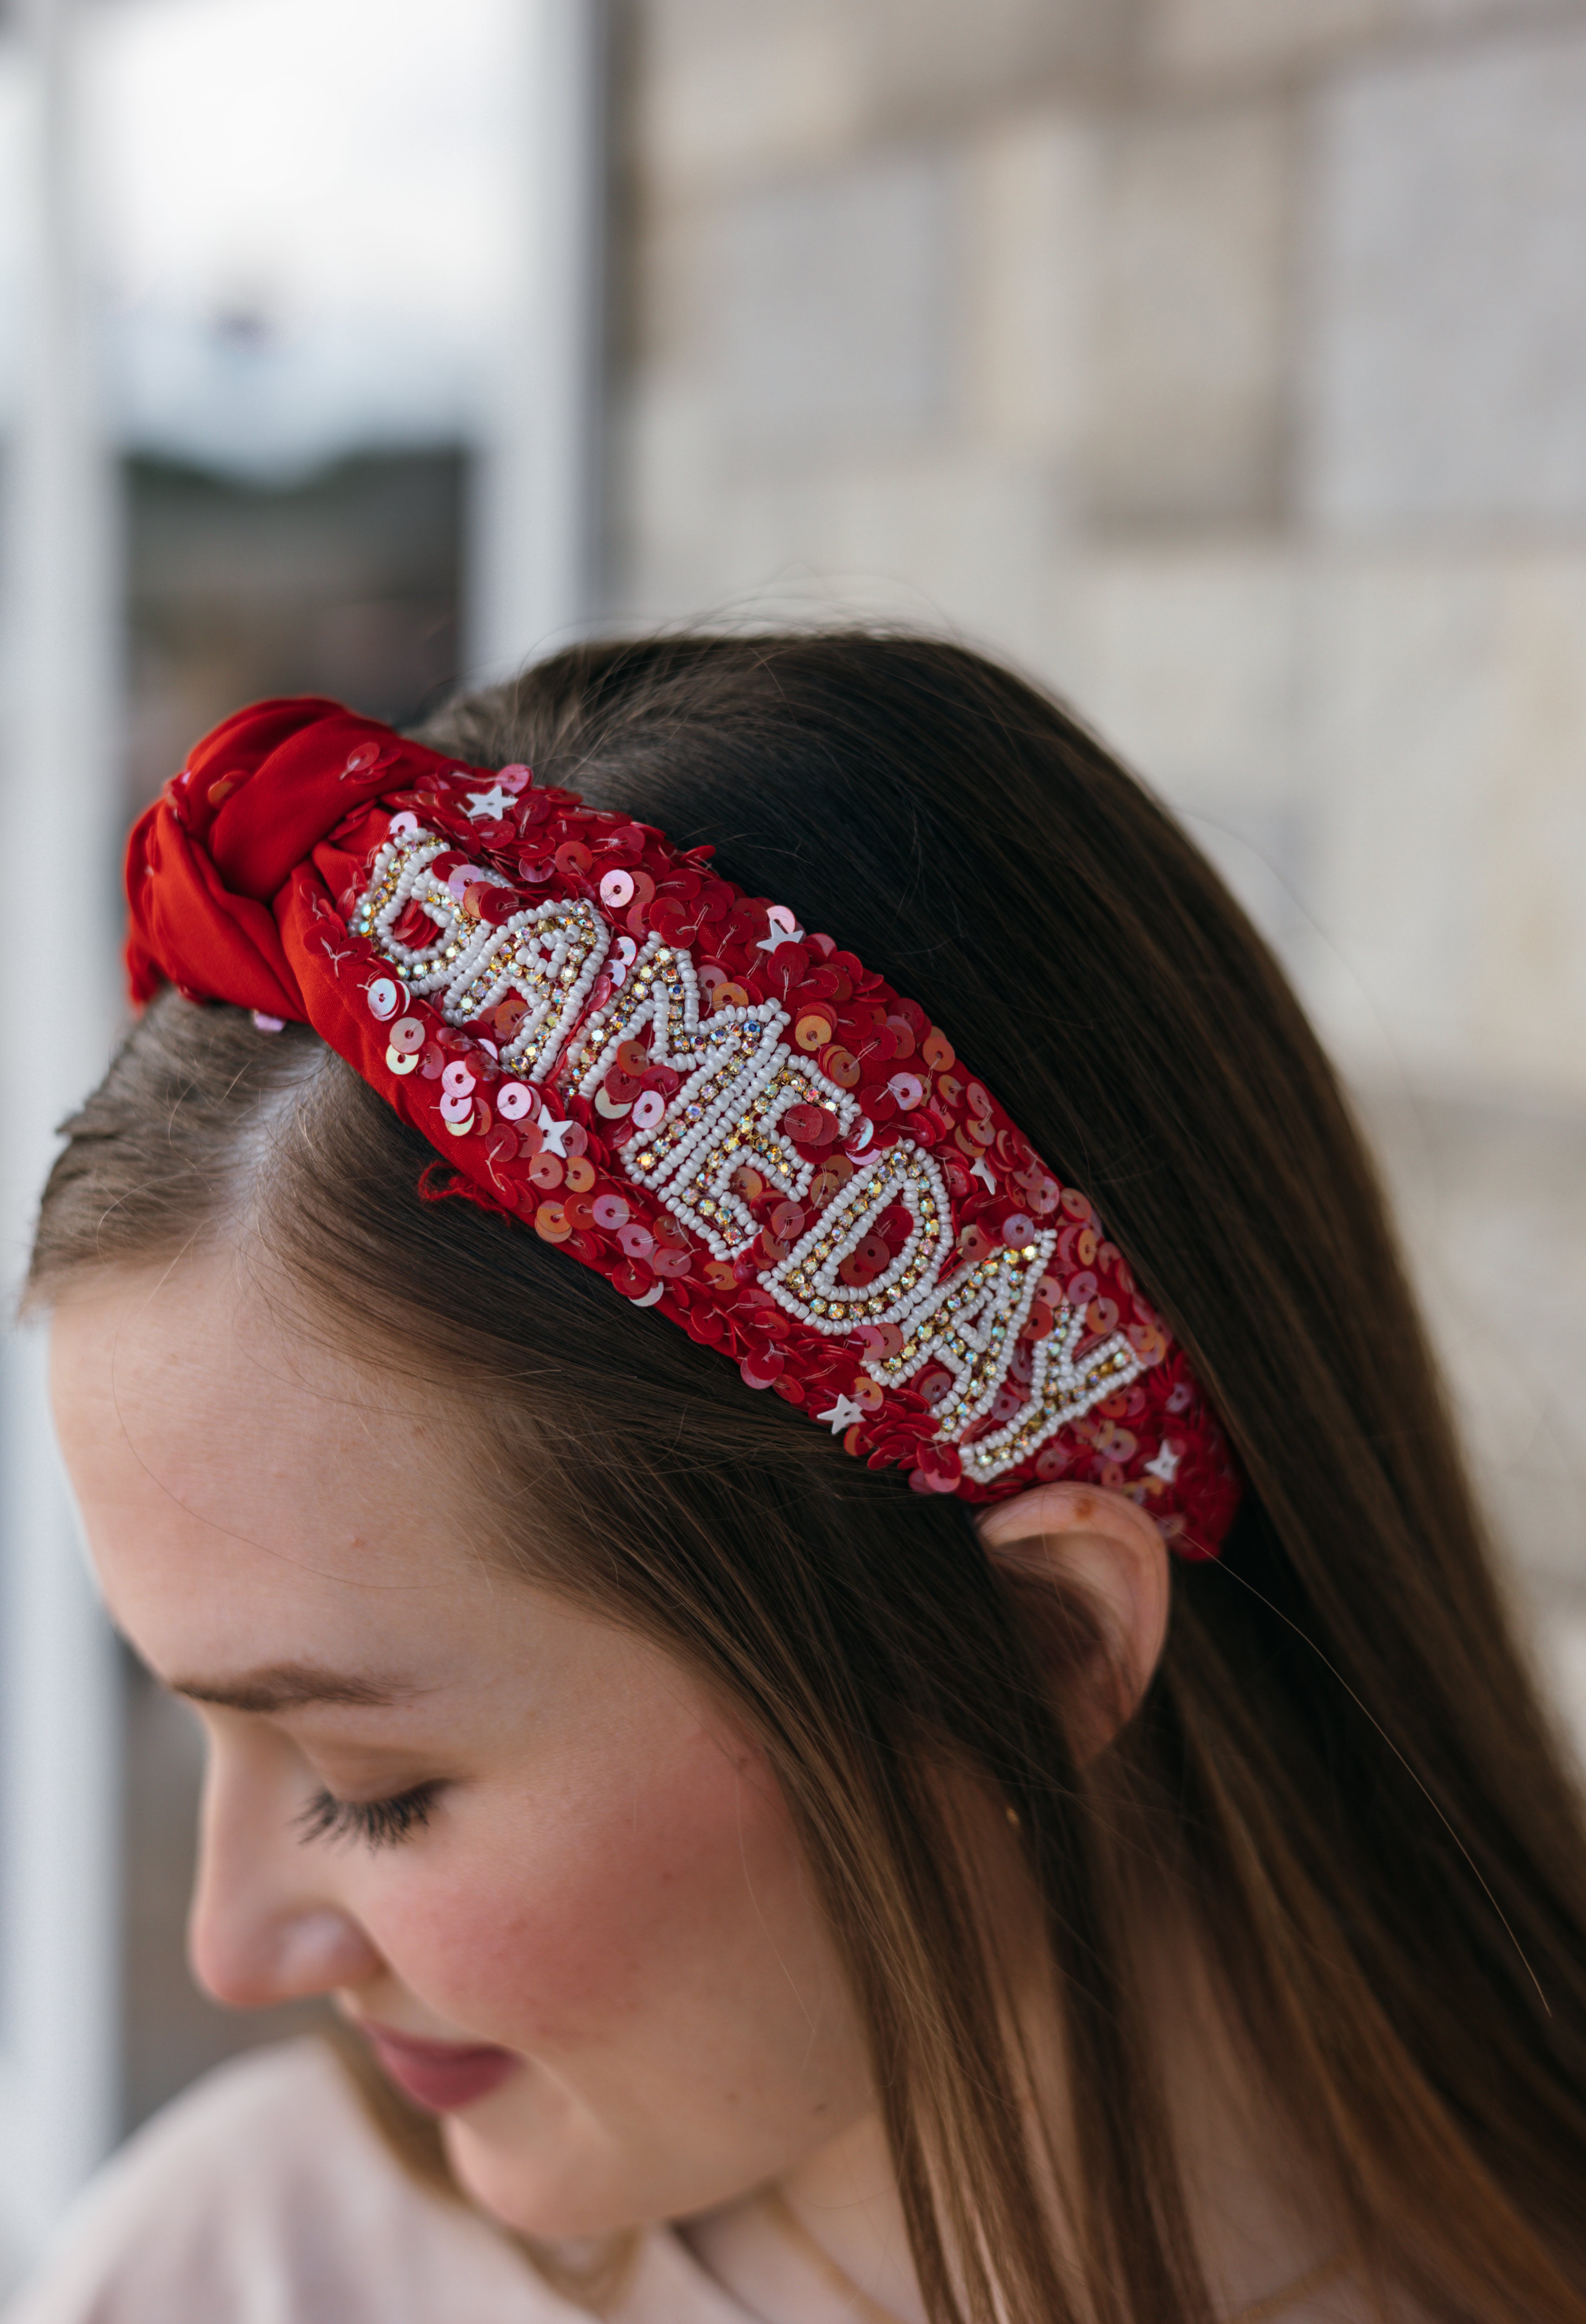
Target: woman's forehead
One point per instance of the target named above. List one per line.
(204, 1438)
(214, 1355)
(269, 1521)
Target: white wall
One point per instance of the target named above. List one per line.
(1223, 362)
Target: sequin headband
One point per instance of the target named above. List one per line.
(733, 1120)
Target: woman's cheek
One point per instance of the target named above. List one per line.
(542, 1924)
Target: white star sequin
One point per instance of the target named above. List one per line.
(980, 1168)
(490, 804)
(553, 1132)
(785, 929)
(842, 1415)
(1164, 1465)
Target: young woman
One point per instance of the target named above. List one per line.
(759, 1386)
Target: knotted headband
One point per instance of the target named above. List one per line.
(731, 1119)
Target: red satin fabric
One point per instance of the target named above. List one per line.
(208, 865)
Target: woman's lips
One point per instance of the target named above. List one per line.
(440, 2075)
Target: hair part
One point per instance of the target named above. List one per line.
(1342, 1763)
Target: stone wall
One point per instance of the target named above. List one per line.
(1223, 362)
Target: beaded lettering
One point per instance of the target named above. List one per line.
(972, 1328)
(736, 1078)
(547, 955)
(969, 1321)
(739, 1080)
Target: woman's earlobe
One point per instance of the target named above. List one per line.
(1101, 1547)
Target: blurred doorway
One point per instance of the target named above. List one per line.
(299, 356)
(347, 582)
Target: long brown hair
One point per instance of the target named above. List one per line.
(1341, 1762)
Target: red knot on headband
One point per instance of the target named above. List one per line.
(731, 1119)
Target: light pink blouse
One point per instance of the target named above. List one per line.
(263, 2196)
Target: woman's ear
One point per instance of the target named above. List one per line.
(1098, 1545)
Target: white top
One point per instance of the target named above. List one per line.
(265, 2195)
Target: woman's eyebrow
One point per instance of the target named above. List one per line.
(289, 1686)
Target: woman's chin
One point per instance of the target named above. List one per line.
(508, 2178)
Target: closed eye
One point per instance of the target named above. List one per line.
(379, 1823)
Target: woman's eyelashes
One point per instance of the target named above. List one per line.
(379, 1823)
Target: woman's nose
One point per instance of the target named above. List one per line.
(251, 1958)
(264, 1926)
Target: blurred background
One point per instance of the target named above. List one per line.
(1223, 363)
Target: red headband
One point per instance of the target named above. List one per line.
(726, 1118)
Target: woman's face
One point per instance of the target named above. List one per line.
(585, 1884)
